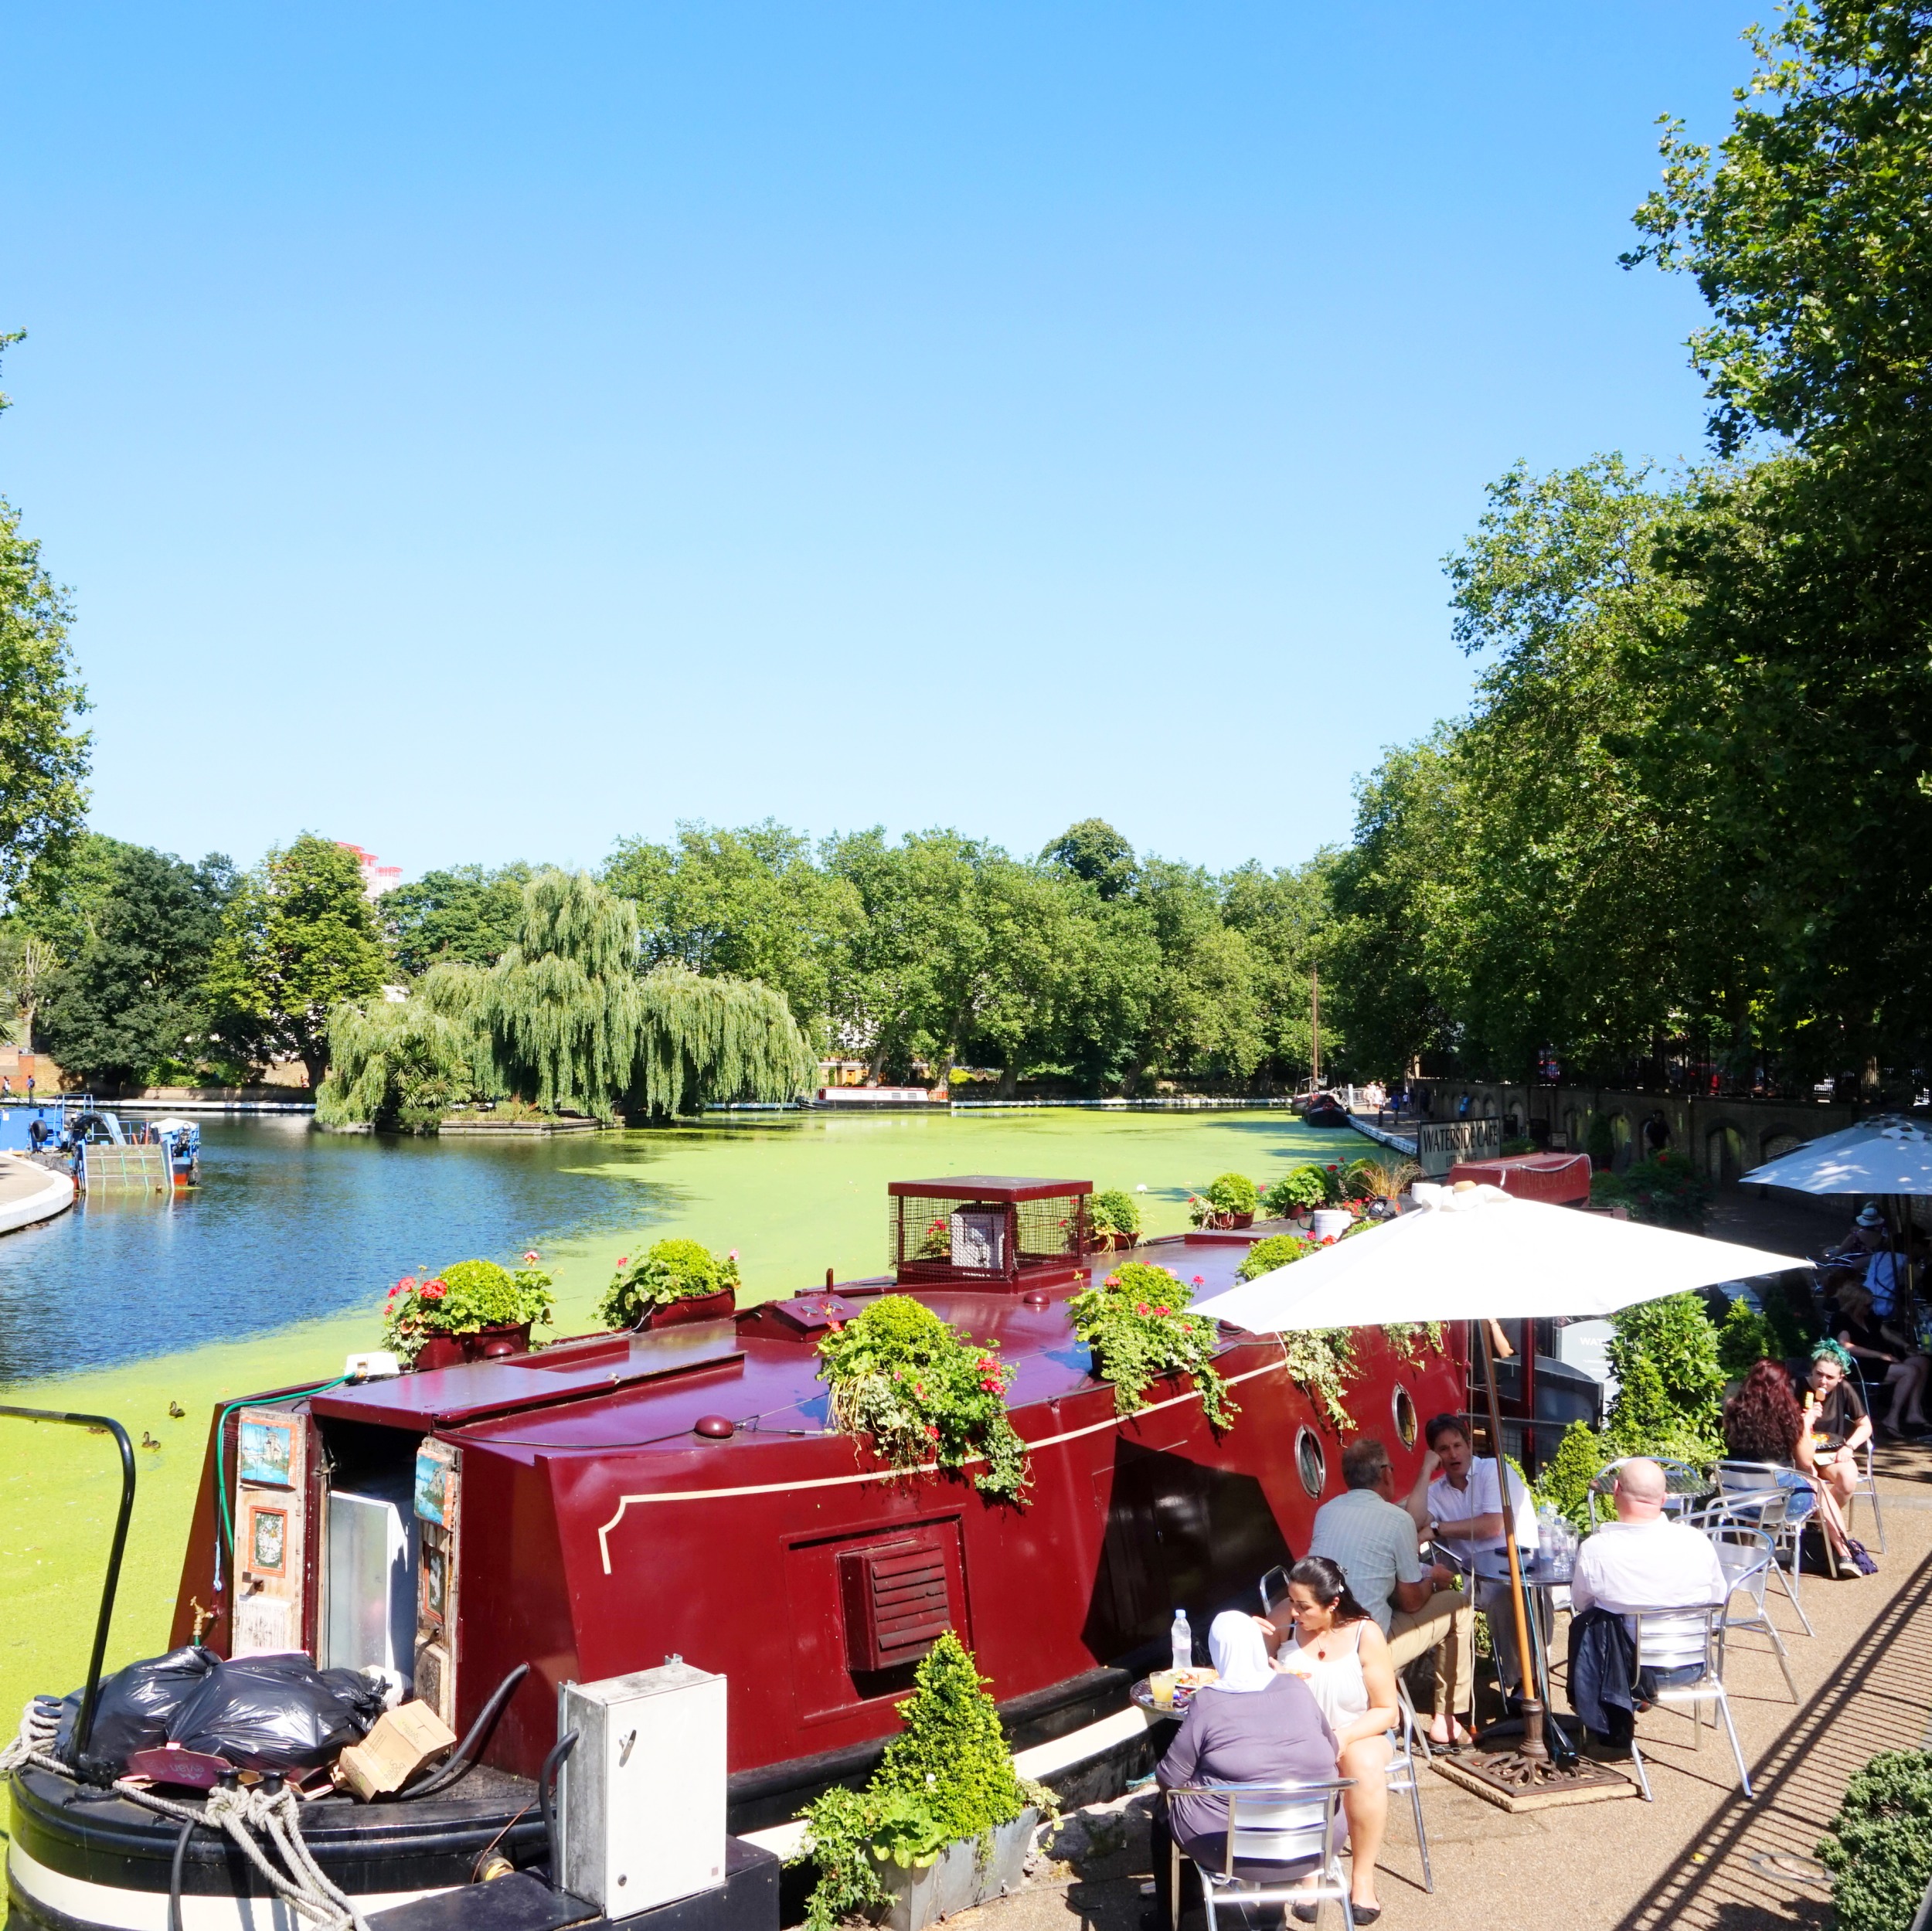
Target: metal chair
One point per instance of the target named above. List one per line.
(1404, 1775)
(1752, 1493)
(1867, 1484)
(1747, 1557)
(1278, 1835)
(1684, 1486)
(1677, 1639)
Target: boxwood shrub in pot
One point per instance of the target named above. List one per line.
(946, 1781)
(673, 1271)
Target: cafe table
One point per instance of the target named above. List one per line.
(1542, 1574)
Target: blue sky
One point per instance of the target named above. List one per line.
(482, 432)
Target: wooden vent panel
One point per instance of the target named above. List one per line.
(898, 1602)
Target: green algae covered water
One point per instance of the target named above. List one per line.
(275, 1269)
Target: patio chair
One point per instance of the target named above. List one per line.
(1279, 1836)
(1751, 1493)
(1676, 1639)
(1867, 1484)
(1747, 1556)
(1684, 1486)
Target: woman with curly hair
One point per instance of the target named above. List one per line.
(1763, 1422)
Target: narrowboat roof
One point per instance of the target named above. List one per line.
(760, 1370)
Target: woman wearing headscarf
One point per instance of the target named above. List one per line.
(1252, 1725)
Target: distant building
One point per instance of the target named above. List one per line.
(377, 877)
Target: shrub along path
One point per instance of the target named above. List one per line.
(1700, 1856)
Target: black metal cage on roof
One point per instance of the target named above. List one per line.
(984, 1228)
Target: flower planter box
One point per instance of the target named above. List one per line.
(1112, 1243)
(1240, 1220)
(959, 1877)
(487, 1343)
(675, 1314)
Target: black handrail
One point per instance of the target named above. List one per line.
(84, 1731)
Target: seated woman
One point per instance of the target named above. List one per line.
(1253, 1726)
(1885, 1351)
(1839, 1425)
(1763, 1422)
(1344, 1658)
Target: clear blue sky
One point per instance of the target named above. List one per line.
(480, 432)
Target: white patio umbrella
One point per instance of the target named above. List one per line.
(1480, 1254)
(1885, 1155)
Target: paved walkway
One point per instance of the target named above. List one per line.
(30, 1193)
(1699, 1857)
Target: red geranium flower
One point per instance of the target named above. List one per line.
(1160, 1310)
(434, 1291)
(1200, 1280)
(530, 1256)
(932, 1431)
(1139, 1307)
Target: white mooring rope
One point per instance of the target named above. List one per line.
(244, 1814)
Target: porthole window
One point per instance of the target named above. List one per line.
(1405, 1416)
(1310, 1462)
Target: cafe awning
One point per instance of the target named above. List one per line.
(1479, 1253)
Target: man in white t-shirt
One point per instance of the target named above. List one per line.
(1456, 1492)
(1642, 1561)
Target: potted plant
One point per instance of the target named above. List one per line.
(675, 1282)
(473, 1310)
(1230, 1201)
(946, 1821)
(1297, 1193)
(1115, 1218)
(927, 1395)
(1137, 1324)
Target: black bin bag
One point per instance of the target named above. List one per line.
(133, 1710)
(276, 1713)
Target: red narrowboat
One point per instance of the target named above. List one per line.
(589, 1507)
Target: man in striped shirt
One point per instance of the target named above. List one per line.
(1373, 1539)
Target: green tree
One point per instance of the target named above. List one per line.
(744, 904)
(1206, 1019)
(1094, 851)
(43, 757)
(130, 1006)
(1395, 943)
(1288, 917)
(298, 938)
(958, 945)
(464, 915)
(1794, 707)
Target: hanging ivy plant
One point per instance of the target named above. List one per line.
(925, 1393)
(1137, 1323)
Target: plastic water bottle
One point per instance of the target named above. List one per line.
(1183, 1641)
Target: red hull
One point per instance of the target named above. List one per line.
(599, 1532)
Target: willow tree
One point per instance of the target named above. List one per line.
(566, 1020)
(403, 1064)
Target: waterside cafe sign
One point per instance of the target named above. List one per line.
(1440, 1144)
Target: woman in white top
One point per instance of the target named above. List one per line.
(1337, 1650)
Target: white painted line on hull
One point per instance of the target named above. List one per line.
(121, 1908)
(896, 1474)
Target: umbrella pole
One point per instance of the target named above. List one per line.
(1533, 1749)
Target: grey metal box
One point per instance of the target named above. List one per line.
(641, 1798)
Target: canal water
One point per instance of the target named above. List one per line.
(291, 1225)
(155, 1312)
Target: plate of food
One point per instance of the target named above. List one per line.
(1170, 1692)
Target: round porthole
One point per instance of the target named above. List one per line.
(1311, 1464)
(1405, 1416)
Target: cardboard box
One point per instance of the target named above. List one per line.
(402, 1741)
